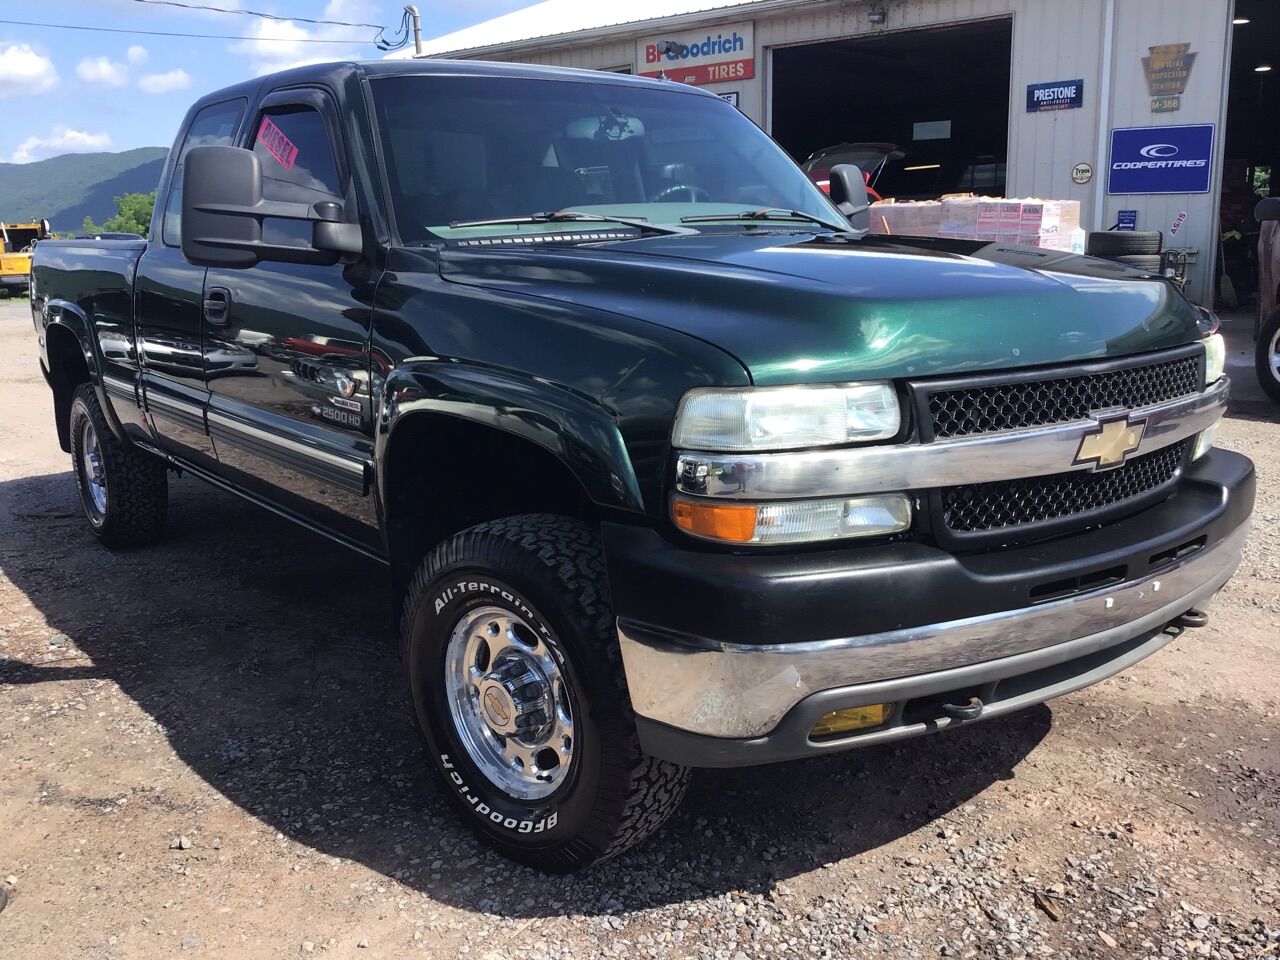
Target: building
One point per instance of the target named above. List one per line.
(1135, 108)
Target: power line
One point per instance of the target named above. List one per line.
(170, 33)
(255, 13)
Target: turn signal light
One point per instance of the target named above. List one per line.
(850, 719)
(717, 521)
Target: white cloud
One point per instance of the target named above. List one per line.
(62, 140)
(102, 72)
(137, 55)
(24, 72)
(280, 44)
(165, 82)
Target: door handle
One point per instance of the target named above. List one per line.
(217, 304)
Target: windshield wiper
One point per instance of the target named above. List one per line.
(571, 216)
(768, 213)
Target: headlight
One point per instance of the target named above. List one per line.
(782, 418)
(1215, 358)
(793, 521)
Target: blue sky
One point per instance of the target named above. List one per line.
(68, 91)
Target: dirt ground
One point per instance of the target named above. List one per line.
(204, 751)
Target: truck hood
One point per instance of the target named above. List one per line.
(800, 308)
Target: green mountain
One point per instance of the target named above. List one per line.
(68, 188)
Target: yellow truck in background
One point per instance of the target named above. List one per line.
(15, 259)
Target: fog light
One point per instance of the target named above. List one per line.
(850, 719)
(1204, 443)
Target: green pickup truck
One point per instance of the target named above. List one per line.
(670, 463)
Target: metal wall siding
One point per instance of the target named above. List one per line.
(1206, 24)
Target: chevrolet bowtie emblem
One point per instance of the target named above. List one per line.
(1110, 444)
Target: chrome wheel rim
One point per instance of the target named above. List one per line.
(1273, 356)
(510, 702)
(95, 481)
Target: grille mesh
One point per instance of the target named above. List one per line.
(1008, 503)
(1010, 406)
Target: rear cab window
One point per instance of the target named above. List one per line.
(215, 124)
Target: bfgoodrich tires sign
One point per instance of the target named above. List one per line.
(719, 55)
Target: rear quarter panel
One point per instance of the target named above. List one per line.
(85, 288)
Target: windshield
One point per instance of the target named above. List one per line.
(476, 148)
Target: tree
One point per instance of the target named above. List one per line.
(133, 215)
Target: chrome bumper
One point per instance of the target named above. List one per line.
(740, 691)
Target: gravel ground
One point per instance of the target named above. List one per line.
(204, 751)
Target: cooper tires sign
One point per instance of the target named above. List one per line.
(1161, 159)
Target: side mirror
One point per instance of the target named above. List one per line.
(223, 210)
(849, 194)
(1267, 209)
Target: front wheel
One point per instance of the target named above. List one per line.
(1268, 356)
(516, 684)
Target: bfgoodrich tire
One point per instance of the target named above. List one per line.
(516, 684)
(124, 490)
(1267, 358)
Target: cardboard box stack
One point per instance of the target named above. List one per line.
(1052, 224)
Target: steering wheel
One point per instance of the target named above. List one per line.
(696, 194)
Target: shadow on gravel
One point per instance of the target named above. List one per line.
(266, 653)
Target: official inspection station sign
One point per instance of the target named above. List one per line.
(1147, 160)
(1057, 95)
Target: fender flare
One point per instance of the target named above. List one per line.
(68, 316)
(579, 432)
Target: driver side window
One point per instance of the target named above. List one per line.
(298, 161)
(299, 165)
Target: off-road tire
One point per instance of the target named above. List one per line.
(1269, 346)
(137, 482)
(549, 568)
(1113, 244)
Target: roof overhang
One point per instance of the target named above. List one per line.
(723, 11)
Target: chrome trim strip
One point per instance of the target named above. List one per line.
(980, 458)
(356, 469)
(169, 407)
(118, 387)
(738, 690)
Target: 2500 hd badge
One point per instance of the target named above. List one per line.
(670, 464)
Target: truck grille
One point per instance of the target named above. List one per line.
(985, 408)
(1008, 503)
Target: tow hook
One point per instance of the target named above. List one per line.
(1193, 618)
(964, 711)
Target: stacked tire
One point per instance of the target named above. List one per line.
(1139, 249)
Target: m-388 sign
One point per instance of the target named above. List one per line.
(719, 55)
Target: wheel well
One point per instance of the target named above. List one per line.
(67, 370)
(444, 475)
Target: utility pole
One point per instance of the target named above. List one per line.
(412, 11)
